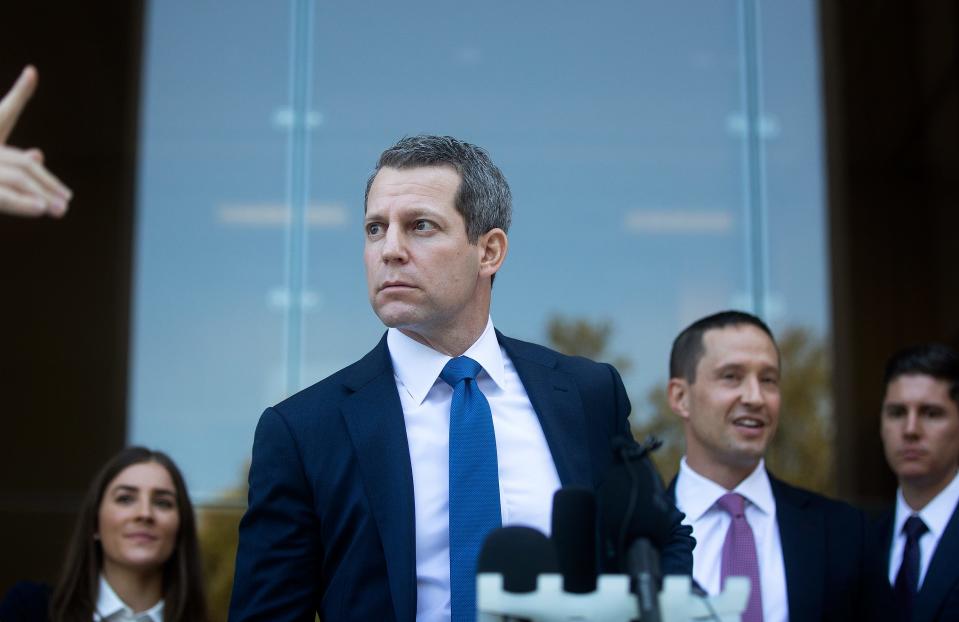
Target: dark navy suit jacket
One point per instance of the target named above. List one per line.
(938, 597)
(330, 524)
(823, 552)
(26, 601)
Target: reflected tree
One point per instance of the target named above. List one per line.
(802, 451)
(666, 426)
(219, 525)
(580, 337)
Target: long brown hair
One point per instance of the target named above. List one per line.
(75, 596)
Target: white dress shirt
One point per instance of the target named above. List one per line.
(935, 515)
(696, 496)
(527, 474)
(111, 609)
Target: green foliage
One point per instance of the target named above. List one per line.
(218, 535)
(579, 337)
(802, 451)
(665, 426)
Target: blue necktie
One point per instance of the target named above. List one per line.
(907, 581)
(474, 482)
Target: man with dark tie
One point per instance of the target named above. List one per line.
(372, 491)
(918, 539)
(802, 552)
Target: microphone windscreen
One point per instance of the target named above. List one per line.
(574, 538)
(520, 554)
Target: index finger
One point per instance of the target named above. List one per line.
(12, 104)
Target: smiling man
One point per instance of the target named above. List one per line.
(919, 538)
(372, 491)
(804, 551)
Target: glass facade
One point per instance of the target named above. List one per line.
(666, 162)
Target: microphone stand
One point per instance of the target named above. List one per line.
(641, 559)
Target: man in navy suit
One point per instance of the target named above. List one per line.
(804, 550)
(917, 540)
(357, 483)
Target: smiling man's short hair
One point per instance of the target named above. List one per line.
(688, 346)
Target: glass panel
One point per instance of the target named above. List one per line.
(642, 200)
(795, 182)
(792, 130)
(625, 148)
(210, 238)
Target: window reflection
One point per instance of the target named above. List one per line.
(621, 127)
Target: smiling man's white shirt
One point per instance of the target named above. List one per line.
(696, 497)
(111, 609)
(527, 474)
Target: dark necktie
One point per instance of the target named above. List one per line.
(907, 581)
(739, 554)
(474, 482)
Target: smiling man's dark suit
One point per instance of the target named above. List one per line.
(330, 525)
(938, 596)
(725, 385)
(823, 552)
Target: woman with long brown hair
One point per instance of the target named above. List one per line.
(134, 553)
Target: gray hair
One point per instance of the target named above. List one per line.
(483, 198)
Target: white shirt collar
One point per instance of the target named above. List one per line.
(701, 493)
(418, 366)
(109, 605)
(937, 512)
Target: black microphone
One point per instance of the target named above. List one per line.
(520, 554)
(636, 520)
(531, 588)
(574, 538)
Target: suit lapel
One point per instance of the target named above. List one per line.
(671, 489)
(559, 408)
(943, 573)
(803, 546)
(884, 532)
(374, 418)
(879, 593)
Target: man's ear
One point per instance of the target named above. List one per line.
(492, 246)
(678, 393)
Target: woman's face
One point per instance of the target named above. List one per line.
(138, 519)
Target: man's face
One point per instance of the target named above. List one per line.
(422, 273)
(731, 410)
(920, 430)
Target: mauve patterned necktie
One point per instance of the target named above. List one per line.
(739, 554)
(474, 482)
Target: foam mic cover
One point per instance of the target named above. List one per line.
(574, 538)
(520, 554)
(632, 500)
